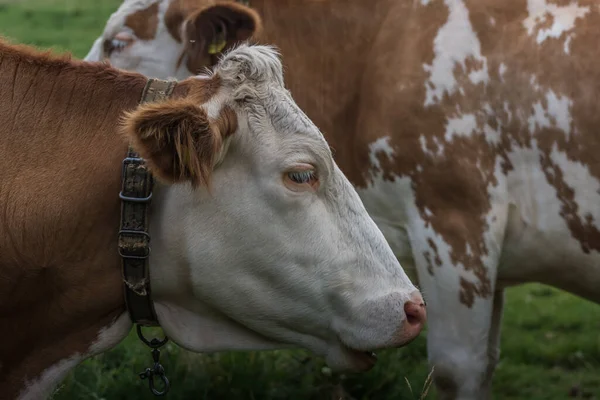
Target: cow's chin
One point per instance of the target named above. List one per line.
(344, 359)
(202, 331)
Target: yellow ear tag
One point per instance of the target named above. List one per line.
(217, 45)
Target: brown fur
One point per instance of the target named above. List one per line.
(60, 162)
(182, 127)
(60, 281)
(200, 21)
(200, 90)
(202, 28)
(144, 23)
(178, 11)
(193, 141)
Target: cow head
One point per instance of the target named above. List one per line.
(172, 38)
(260, 241)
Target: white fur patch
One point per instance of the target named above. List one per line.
(559, 108)
(42, 387)
(567, 45)
(563, 19)
(502, 70)
(464, 125)
(381, 145)
(393, 204)
(492, 136)
(108, 337)
(585, 187)
(556, 114)
(214, 105)
(455, 42)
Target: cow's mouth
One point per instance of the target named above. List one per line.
(362, 360)
(342, 357)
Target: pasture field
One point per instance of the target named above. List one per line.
(550, 339)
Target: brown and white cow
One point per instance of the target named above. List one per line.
(468, 127)
(249, 192)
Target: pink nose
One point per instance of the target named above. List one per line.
(416, 316)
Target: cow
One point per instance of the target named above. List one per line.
(467, 127)
(258, 239)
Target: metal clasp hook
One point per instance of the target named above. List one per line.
(157, 369)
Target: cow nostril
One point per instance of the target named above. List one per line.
(415, 312)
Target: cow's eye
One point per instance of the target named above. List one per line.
(302, 178)
(118, 43)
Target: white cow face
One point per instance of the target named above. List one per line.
(272, 246)
(172, 38)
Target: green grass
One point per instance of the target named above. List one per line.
(550, 347)
(64, 25)
(550, 339)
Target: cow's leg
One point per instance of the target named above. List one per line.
(458, 340)
(494, 339)
(463, 311)
(493, 352)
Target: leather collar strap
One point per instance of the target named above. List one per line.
(134, 239)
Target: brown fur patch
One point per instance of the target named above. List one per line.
(177, 12)
(226, 124)
(176, 137)
(60, 160)
(144, 23)
(200, 90)
(237, 22)
(200, 22)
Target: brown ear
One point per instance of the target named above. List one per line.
(211, 31)
(176, 139)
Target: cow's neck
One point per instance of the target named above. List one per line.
(326, 49)
(59, 178)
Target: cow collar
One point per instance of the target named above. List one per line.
(134, 239)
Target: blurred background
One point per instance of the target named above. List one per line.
(550, 339)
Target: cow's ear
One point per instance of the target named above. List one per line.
(176, 139)
(209, 32)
